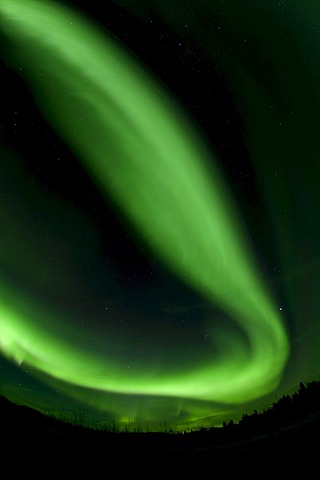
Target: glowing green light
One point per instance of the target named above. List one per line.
(144, 154)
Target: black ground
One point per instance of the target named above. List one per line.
(258, 445)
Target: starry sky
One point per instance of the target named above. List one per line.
(159, 207)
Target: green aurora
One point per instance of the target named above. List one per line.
(147, 156)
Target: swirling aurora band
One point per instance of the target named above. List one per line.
(146, 155)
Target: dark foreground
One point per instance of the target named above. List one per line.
(30, 439)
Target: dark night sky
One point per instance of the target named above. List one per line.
(246, 78)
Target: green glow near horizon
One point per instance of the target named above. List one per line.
(146, 155)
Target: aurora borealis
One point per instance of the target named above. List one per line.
(192, 293)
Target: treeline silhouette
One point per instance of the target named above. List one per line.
(286, 411)
(285, 432)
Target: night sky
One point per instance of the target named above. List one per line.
(159, 207)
